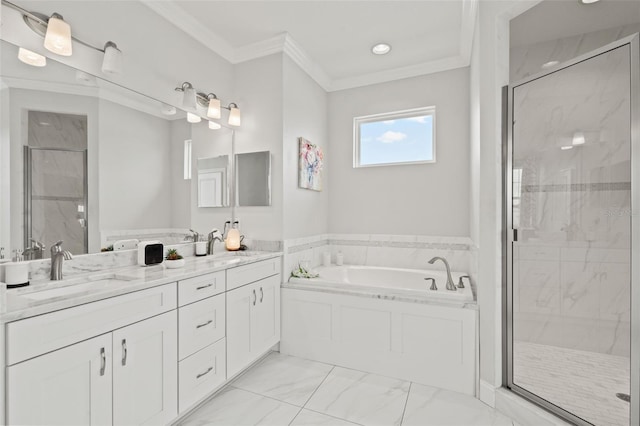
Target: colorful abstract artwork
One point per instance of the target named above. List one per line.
(310, 166)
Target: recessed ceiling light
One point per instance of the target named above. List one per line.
(589, 1)
(381, 49)
(550, 64)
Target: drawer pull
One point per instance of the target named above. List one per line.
(103, 361)
(204, 286)
(254, 297)
(124, 351)
(205, 373)
(204, 324)
(261, 294)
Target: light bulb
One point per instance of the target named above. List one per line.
(58, 36)
(31, 58)
(234, 115)
(214, 108)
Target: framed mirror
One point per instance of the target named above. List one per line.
(253, 178)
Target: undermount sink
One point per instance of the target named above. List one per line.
(93, 282)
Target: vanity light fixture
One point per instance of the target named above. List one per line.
(31, 58)
(214, 126)
(58, 38)
(112, 60)
(564, 148)
(578, 139)
(213, 111)
(188, 95)
(589, 1)
(193, 118)
(234, 114)
(381, 49)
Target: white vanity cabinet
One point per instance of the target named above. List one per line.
(126, 375)
(253, 312)
(70, 386)
(201, 342)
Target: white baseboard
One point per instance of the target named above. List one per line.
(487, 393)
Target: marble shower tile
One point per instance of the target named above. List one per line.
(360, 397)
(311, 418)
(432, 406)
(285, 378)
(239, 408)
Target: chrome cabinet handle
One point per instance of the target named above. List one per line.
(103, 361)
(203, 286)
(261, 295)
(254, 297)
(204, 324)
(205, 373)
(124, 351)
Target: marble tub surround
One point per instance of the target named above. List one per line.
(396, 251)
(285, 390)
(18, 304)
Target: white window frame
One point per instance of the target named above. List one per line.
(416, 112)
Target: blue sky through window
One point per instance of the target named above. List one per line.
(397, 140)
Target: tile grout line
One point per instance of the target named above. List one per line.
(313, 393)
(406, 402)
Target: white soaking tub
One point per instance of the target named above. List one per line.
(384, 321)
(388, 283)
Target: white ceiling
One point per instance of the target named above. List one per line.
(332, 40)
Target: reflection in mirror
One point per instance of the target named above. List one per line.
(213, 181)
(253, 179)
(102, 163)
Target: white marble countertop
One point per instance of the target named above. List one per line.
(25, 302)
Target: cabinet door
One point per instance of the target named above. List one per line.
(145, 373)
(265, 315)
(239, 306)
(70, 386)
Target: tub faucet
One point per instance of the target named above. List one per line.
(450, 285)
(57, 257)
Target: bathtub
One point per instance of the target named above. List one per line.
(388, 283)
(384, 321)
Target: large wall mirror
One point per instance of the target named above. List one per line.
(92, 162)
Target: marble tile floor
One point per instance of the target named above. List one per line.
(285, 390)
(584, 383)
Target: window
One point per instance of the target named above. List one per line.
(402, 137)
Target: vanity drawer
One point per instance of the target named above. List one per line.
(197, 288)
(201, 373)
(44, 333)
(200, 324)
(245, 274)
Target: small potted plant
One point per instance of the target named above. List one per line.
(174, 259)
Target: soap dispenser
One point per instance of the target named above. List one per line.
(232, 243)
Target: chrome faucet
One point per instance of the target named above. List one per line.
(450, 285)
(214, 236)
(57, 257)
(35, 251)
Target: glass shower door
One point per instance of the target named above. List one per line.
(56, 198)
(570, 258)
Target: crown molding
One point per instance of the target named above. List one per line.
(284, 43)
(430, 67)
(173, 13)
(304, 61)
